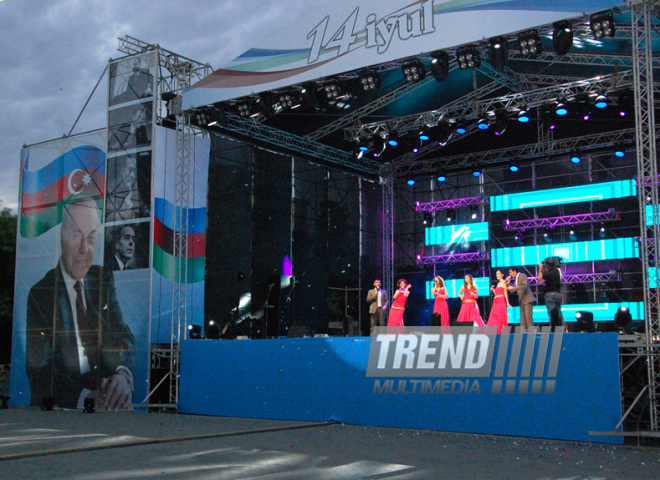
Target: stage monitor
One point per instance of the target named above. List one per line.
(594, 250)
(471, 232)
(453, 286)
(562, 196)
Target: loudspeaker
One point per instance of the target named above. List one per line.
(300, 331)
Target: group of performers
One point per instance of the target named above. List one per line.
(469, 314)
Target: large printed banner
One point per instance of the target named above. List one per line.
(77, 332)
(168, 266)
(344, 36)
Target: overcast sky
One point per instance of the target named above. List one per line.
(52, 53)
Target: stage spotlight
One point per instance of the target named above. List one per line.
(410, 182)
(89, 405)
(574, 289)
(194, 332)
(474, 212)
(362, 145)
(625, 102)
(523, 115)
(498, 51)
(530, 43)
(547, 235)
(428, 218)
(501, 122)
(245, 108)
(476, 172)
(459, 127)
(332, 90)
(307, 97)
(584, 321)
(286, 100)
(393, 139)
(424, 135)
(572, 233)
(602, 25)
(583, 106)
(413, 71)
(47, 403)
(468, 57)
(379, 144)
(484, 122)
(445, 133)
(519, 238)
(601, 101)
(560, 107)
(576, 157)
(4, 399)
(369, 80)
(213, 331)
(602, 231)
(441, 178)
(619, 150)
(562, 37)
(623, 320)
(451, 214)
(440, 65)
(513, 166)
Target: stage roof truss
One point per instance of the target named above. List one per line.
(566, 220)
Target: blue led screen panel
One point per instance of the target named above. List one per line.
(649, 215)
(591, 251)
(471, 232)
(453, 286)
(603, 312)
(653, 277)
(562, 196)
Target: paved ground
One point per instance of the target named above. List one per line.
(315, 452)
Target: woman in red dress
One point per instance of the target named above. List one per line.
(498, 315)
(469, 314)
(395, 321)
(440, 315)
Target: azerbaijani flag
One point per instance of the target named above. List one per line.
(164, 233)
(45, 192)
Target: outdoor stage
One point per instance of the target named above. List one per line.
(318, 379)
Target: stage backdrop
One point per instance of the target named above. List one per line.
(343, 36)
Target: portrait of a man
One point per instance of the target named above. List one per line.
(125, 192)
(124, 249)
(77, 343)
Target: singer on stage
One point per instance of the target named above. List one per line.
(498, 314)
(469, 314)
(395, 323)
(440, 316)
(378, 301)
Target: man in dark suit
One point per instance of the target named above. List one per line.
(525, 297)
(124, 249)
(377, 300)
(77, 344)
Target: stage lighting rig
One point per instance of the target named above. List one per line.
(194, 332)
(370, 80)
(585, 322)
(572, 233)
(562, 37)
(413, 71)
(530, 43)
(619, 150)
(459, 126)
(601, 101)
(519, 238)
(513, 166)
(583, 106)
(411, 181)
(523, 115)
(468, 57)
(576, 157)
(213, 330)
(245, 108)
(332, 89)
(445, 132)
(476, 172)
(625, 102)
(428, 218)
(602, 25)
(623, 320)
(501, 122)
(441, 178)
(440, 65)
(498, 52)
(484, 122)
(602, 231)
(379, 144)
(560, 107)
(393, 139)
(474, 212)
(547, 235)
(451, 214)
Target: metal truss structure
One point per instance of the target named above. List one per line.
(566, 220)
(453, 258)
(388, 231)
(642, 13)
(450, 204)
(585, 278)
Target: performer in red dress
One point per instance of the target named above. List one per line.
(498, 315)
(395, 321)
(469, 314)
(440, 315)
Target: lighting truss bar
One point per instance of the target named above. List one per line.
(534, 150)
(455, 258)
(584, 278)
(578, 59)
(552, 222)
(300, 145)
(450, 204)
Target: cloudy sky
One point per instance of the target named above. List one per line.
(53, 52)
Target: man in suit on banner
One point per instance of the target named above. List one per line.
(378, 301)
(124, 249)
(525, 297)
(77, 344)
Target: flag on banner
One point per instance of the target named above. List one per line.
(45, 192)
(164, 250)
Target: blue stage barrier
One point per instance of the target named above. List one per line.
(316, 379)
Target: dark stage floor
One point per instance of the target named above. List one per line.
(136, 445)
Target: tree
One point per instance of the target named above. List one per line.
(8, 223)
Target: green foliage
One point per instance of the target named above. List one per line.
(8, 222)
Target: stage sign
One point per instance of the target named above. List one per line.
(317, 41)
(471, 232)
(610, 249)
(453, 286)
(603, 312)
(562, 196)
